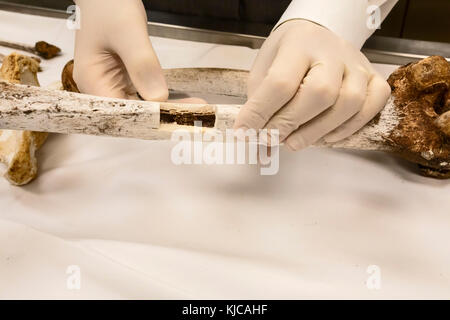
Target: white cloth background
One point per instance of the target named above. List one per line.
(140, 227)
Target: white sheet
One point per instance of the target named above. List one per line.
(140, 227)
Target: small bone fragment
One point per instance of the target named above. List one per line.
(20, 69)
(41, 48)
(18, 148)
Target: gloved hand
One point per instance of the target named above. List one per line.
(113, 53)
(309, 83)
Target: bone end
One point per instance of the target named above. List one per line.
(421, 92)
(18, 148)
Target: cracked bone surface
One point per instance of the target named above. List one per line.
(17, 148)
(414, 124)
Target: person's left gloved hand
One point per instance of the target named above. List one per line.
(309, 83)
(113, 53)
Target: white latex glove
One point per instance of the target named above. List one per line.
(309, 83)
(113, 53)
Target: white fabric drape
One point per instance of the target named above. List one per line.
(140, 227)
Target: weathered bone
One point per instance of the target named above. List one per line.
(410, 125)
(418, 134)
(422, 99)
(17, 148)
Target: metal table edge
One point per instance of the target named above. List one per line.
(377, 49)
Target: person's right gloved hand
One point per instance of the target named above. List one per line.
(113, 53)
(309, 83)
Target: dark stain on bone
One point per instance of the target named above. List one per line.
(420, 90)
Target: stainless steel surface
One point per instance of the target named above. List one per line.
(378, 49)
(155, 29)
(389, 57)
(202, 35)
(402, 51)
(35, 10)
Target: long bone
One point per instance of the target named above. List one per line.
(414, 124)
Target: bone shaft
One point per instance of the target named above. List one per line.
(373, 135)
(234, 83)
(37, 109)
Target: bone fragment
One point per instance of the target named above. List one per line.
(40, 48)
(18, 148)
